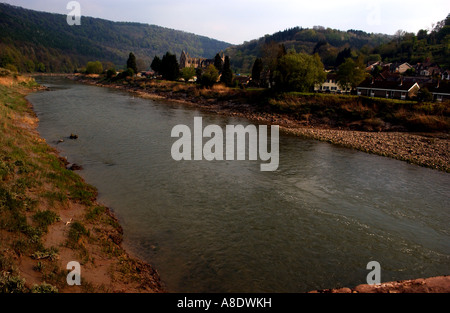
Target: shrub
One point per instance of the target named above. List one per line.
(77, 230)
(10, 283)
(94, 67)
(110, 73)
(45, 218)
(44, 288)
(51, 254)
(95, 212)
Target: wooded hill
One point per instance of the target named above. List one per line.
(325, 41)
(333, 46)
(39, 41)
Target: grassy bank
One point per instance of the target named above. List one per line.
(364, 113)
(314, 109)
(49, 216)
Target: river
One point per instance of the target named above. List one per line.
(227, 226)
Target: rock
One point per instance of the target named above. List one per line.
(73, 136)
(74, 167)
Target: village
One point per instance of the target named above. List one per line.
(426, 81)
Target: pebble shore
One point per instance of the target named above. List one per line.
(430, 150)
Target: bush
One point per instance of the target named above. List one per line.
(94, 67)
(77, 230)
(51, 254)
(210, 76)
(10, 283)
(11, 67)
(44, 288)
(95, 212)
(110, 73)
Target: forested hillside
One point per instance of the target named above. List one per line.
(333, 46)
(325, 41)
(432, 45)
(39, 41)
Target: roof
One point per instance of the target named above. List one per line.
(442, 88)
(387, 85)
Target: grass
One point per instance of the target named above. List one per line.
(43, 219)
(76, 232)
(364, 113)
(35, 187)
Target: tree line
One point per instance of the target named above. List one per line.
(291, 71)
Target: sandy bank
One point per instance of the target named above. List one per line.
(49, 216)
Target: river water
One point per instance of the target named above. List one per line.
(226, 226)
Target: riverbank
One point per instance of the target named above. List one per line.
(74, 203)
(49, 216)
(440, 284)
(428, 149)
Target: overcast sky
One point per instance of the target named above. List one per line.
(236, 21)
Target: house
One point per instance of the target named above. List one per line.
(399, 89)
(439, 90)
(400, 67)
(242, 80)
(186, 61)
(427, 69)
(331, 85)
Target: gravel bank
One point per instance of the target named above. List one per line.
(425, 149)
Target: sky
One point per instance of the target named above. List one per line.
(237, 21)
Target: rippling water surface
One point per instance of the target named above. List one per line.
(225, 226)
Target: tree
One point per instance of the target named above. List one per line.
(156, 64)
(110, 73)
(342, 55)
(94, 67)
(271, 54)
(40, 67)
(29, 64)
(425, 95)
(131, 62)
(210, 76)
(256, 70)
(170, 69)
(218, 63)
(350, 74)
(227, 74)
(187, 73)
(299, 72)
(141, 65)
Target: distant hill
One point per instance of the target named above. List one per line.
(333, 46)
(326, 41)
(431, 46)
(31, 40)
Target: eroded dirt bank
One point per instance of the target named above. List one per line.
(49, 216)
